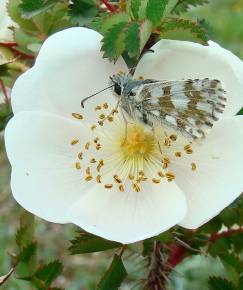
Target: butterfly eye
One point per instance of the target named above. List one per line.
(117, 89)
(132, 94)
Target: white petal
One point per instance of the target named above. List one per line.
(68, 68)
(44, 178)
(218, 179)
(129, 216)
(173, 60)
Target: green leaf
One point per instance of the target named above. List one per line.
(184, 5)
(177, 24)
(49, 272)
(114, 276)
(30, 8)
(134, 7)
(28, 252)
(155, 11)
(165, 237)
(87, 243)
(14, 13)
(132, 40)
(82, 11)
(5, 112)
(144, 33)
(233, 267)
(217, 283)
(114, 42)
(240, 112)
(111, 20)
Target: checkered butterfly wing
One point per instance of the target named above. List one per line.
(188, 106)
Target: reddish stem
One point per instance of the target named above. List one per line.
(22, 54)
(5, 94)
(12, 47)
(8, 44)
(109, 6)
(215, 236)
(228, 233)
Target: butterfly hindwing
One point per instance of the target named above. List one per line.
(190, 106)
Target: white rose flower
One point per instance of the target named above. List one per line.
(6, 22)
(64, 169)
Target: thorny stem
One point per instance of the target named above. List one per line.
(158, 269)
(109, 6)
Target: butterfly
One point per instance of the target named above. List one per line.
(190, 106)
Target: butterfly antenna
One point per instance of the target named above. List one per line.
(89, 97)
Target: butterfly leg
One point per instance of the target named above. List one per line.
(126, 123)
(155, 137)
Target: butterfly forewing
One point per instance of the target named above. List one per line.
(190, 106)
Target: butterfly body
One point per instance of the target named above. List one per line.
(188, 106)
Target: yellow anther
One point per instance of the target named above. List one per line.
(194, 166)
(130, 176)
(141, 78)
(186, 147)
(121, 188)
(114, 111)
(161, 174)
(178, 154)
(117, 179)
(110, 118)
(77, 165)
(88, 171)
(80, 155)
(141, 172)
(96, 140)
(189, 151)
(136, 187)
(98, 178)
(101, 163)
(93, 127)
(74, 141)
(108, 186)
(166, 162)
(97, 108)
(101, 123)
(102, 116)
(98, 146)
(156, 180)
(92, 160)
(173, 137)
(77, 116)
(105, 106)
(88, 177)
(167, 142)
(87, 145)
(170, 176)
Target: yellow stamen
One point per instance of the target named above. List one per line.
(77, 165)
(194, 166)
(74, 141)
(77, 116)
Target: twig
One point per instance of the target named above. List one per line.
(109, 6)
